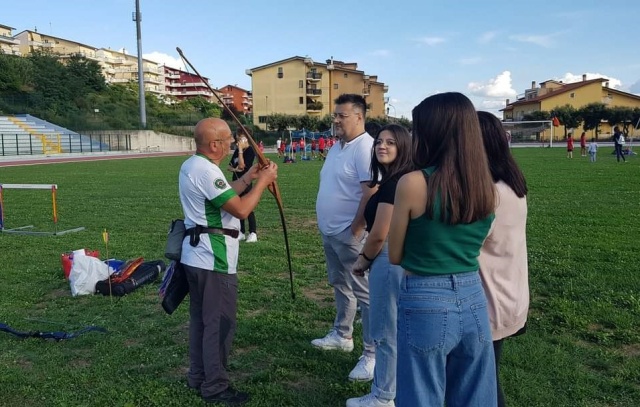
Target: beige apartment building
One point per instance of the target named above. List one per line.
(8, 44)
(551, 94)
(116, 66)
(299, 86)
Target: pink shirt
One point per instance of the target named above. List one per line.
(504, 266)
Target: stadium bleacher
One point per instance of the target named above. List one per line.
(26, 134)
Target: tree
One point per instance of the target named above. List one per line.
(620, 115)
(593, 114)
(537, 115)
(14, 73)
(568, 116)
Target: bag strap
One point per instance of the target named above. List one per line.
(195, 232)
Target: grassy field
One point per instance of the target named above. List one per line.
(582, 347)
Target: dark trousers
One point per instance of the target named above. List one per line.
(212, 326)
(252, 223)
(497, 351)
(252, 216)
(619, 152)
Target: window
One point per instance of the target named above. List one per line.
(262, 119)
(301, 100)
(346, 75)
(280, 73)
(335, 86)
(572, 95)
(301, 84)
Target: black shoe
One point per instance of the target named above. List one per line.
(230, 397)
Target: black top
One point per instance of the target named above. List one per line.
(385, 194)
(248, 156)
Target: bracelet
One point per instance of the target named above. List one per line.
(365, 257)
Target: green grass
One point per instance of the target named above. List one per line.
(582, 347)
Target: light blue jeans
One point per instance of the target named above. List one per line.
(445, 349)
(341, 252)
(384, 285)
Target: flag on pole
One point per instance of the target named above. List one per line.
(105, 236)
(555, 121)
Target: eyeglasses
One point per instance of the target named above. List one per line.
(341, 115)
(223, 139)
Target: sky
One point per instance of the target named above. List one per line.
(490, 50)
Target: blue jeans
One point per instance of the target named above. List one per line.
(341, 252)
(384, 286)
(445, 349)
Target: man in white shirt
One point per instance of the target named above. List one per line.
(342, 196)
(212, 206)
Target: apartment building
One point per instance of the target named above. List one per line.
(551, 94)
(239, 98)
(299, 86)
(181, 85)
(116, 66)
(8, 44)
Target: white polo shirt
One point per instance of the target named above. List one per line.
(340, 192)
(203, 190)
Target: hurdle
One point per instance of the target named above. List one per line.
(25, 230)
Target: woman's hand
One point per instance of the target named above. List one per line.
(361, 265)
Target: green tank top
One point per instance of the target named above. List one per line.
(434, 247)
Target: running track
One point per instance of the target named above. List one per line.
(14, 161)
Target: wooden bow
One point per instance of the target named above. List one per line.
(262, 160)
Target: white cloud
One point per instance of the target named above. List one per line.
(545, 41)
(571, 78)
(381, 53)
(498, 87)
(165, 59)
(493, 104)
(431, 41)
(470, 61)
(487, 37)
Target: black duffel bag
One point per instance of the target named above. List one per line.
(145, 273)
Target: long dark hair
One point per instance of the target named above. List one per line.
(446, 135)
(403, 162)
(501, 163)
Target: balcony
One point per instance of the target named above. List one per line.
(314, 106)
(365, 92)
(9, 40)
(314, 92)
(314, 76)
(40, 44)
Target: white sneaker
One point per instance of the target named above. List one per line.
(252, 238)
(241, 237)
(363, 372)
(333, 341)
(370, 401)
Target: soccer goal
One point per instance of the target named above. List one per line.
(530, 132)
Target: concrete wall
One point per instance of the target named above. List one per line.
(149, 140)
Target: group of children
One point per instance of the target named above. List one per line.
(319, 147)
(592, 149)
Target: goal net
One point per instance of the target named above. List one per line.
(531, 132)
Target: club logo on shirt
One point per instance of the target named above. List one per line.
(220, 183)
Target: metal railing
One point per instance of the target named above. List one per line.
(26, 144)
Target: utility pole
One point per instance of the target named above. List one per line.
(137, 17)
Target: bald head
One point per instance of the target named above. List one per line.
(210, 129)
